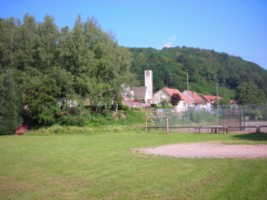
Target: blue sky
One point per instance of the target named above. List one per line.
(237, 27)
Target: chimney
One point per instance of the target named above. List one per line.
(149, 82)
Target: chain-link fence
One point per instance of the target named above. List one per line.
(233, 117)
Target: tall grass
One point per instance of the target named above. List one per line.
(103, 166)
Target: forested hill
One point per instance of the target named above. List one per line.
(204, 67)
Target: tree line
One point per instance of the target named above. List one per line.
(49, 71)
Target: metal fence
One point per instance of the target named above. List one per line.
(228, 117)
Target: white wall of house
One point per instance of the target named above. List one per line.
(160, 96)
(147, 97)
(182, 106)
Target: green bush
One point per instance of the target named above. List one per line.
(73, 120)
(99, 119)
(104, 119)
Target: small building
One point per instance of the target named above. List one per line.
(140, 94)
(166, 94)
(135, 96)
(198, 102)
(211, 99)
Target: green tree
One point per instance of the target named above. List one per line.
(52, 67)
(26, 43)
(249, 93)
(204, 67)
(41, 96)
(8, 42)
(46, 44)
(10, 113)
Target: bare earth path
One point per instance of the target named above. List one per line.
(208, 150)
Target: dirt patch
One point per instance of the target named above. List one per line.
(208, 150)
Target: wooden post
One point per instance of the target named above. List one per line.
(258, 129)
(167, 124)
(146, 124)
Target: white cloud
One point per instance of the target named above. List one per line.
(170, 41)
(167, 45)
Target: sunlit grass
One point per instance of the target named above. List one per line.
(102, 166)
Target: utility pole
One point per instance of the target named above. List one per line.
(187, 80)
(188, 108)
(218, 105)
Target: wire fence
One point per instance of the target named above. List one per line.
(227, 117)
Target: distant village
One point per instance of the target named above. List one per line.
(143, 96)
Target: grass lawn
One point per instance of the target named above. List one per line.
(102, 166)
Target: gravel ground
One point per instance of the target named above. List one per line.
(208, 150)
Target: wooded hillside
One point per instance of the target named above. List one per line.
(204, 67)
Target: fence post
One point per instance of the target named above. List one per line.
(167, 124)
(258, 129)
(146, 124)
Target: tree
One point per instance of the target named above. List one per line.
(249, 93)
(8, 42)
(204, 67)
(26, 41)
(46, 44)
(41, 96)
(52, 67)
(10, 112)
(175, 98)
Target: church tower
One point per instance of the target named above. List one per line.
(149, 83)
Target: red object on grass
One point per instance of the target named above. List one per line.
(21, 129)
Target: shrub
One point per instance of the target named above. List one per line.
(73, 120)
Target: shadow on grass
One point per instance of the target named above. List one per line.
(252, 136)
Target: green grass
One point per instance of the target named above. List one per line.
(102, 166)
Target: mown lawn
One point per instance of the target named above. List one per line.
(102, 166)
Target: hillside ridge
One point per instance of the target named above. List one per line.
(204, 67)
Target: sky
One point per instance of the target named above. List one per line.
(236, 27)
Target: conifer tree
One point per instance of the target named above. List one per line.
(10, 111)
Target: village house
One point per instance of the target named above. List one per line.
(141, 96)
(211, 99)
(135, 96)
(166, 93)
(198, 102)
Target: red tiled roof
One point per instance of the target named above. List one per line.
(171, 91)
(211, 98)
(195, 97)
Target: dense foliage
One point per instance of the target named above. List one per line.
(175, 98)
(249, 93)
(205, 68)
(56, 71)
(10, 112)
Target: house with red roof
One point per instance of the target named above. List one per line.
(188, 99)
(198, 102)
(211, 99)
(194, 97)
(166, 94)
